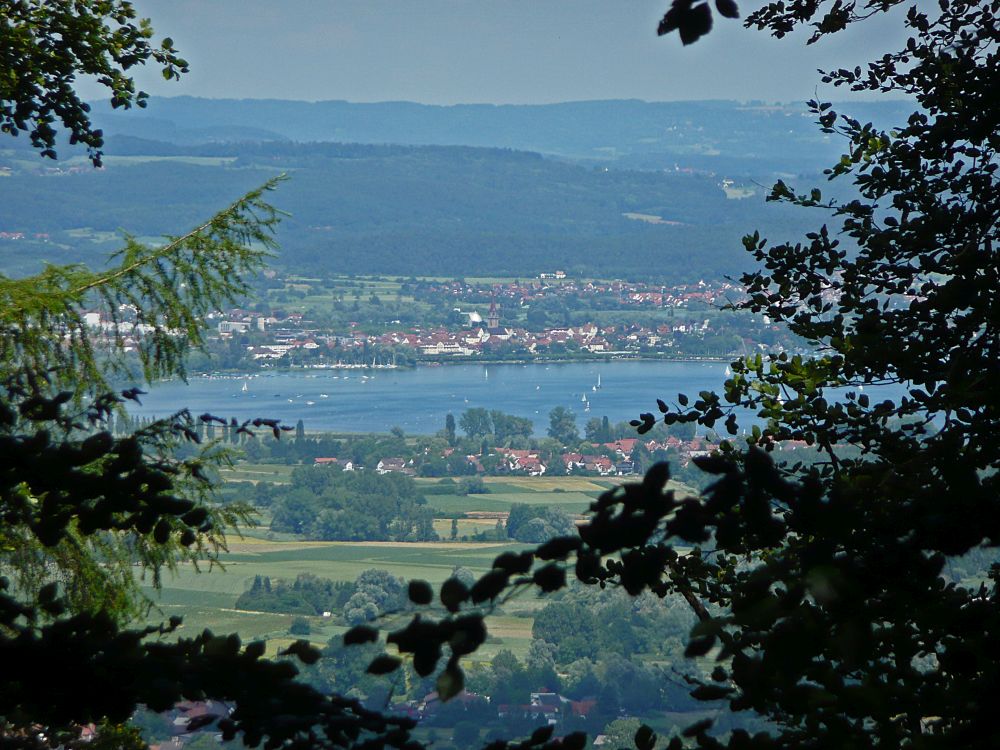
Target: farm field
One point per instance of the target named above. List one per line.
(548, 484)
(248, 472)
(206, 599)
(571, 502)
(466, 526)
(572, 494)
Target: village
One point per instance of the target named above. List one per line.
(438, 321)
(624, 457)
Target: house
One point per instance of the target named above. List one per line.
(623, 447)
(625, 467)
(233, 326)
(431, 703)
(347, 464)
(531, 464)
(600, 464)
(387, 465)
(523, 460)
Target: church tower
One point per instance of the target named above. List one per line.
(493, 321)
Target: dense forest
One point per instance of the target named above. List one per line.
(413, 210)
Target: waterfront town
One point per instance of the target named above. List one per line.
(348, 323)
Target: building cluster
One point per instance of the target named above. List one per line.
(620, 293)
(276, 338)
(613, 459)
(543, 707)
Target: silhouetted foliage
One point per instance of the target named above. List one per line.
(47, 45)
(818, 586)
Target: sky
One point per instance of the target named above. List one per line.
(497, 51)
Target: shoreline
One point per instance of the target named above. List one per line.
(456, 361)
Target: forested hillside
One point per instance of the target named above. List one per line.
(396, 209)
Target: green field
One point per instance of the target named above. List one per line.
(571, 502)
(466, 526)
(547, 484)
(206, 599)
(247, 472)
(572, 494)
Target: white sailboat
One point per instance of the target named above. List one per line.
(728, 372)
(597, 387)
(245, 387)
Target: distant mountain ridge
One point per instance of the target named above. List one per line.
(615, 189)
(741, 138)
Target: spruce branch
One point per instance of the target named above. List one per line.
(154, 299)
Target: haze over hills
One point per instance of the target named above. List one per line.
(624, 188)
(738, 138)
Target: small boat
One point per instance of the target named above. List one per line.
(323, 395)
(728, 372)
(597, 387)
(245, 387)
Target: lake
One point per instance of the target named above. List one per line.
(418, 400)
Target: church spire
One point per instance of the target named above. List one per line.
(493, 321)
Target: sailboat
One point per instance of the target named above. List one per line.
(728, 372)
(245, 387)
(586, 404)
(598, 386)
(583, 397)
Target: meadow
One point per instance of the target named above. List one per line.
(206, 599)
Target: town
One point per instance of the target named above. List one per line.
(376, 322)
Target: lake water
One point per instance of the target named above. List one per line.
(418, 400)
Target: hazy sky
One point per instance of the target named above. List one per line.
(502, 51)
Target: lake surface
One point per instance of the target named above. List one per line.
(418, 400)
